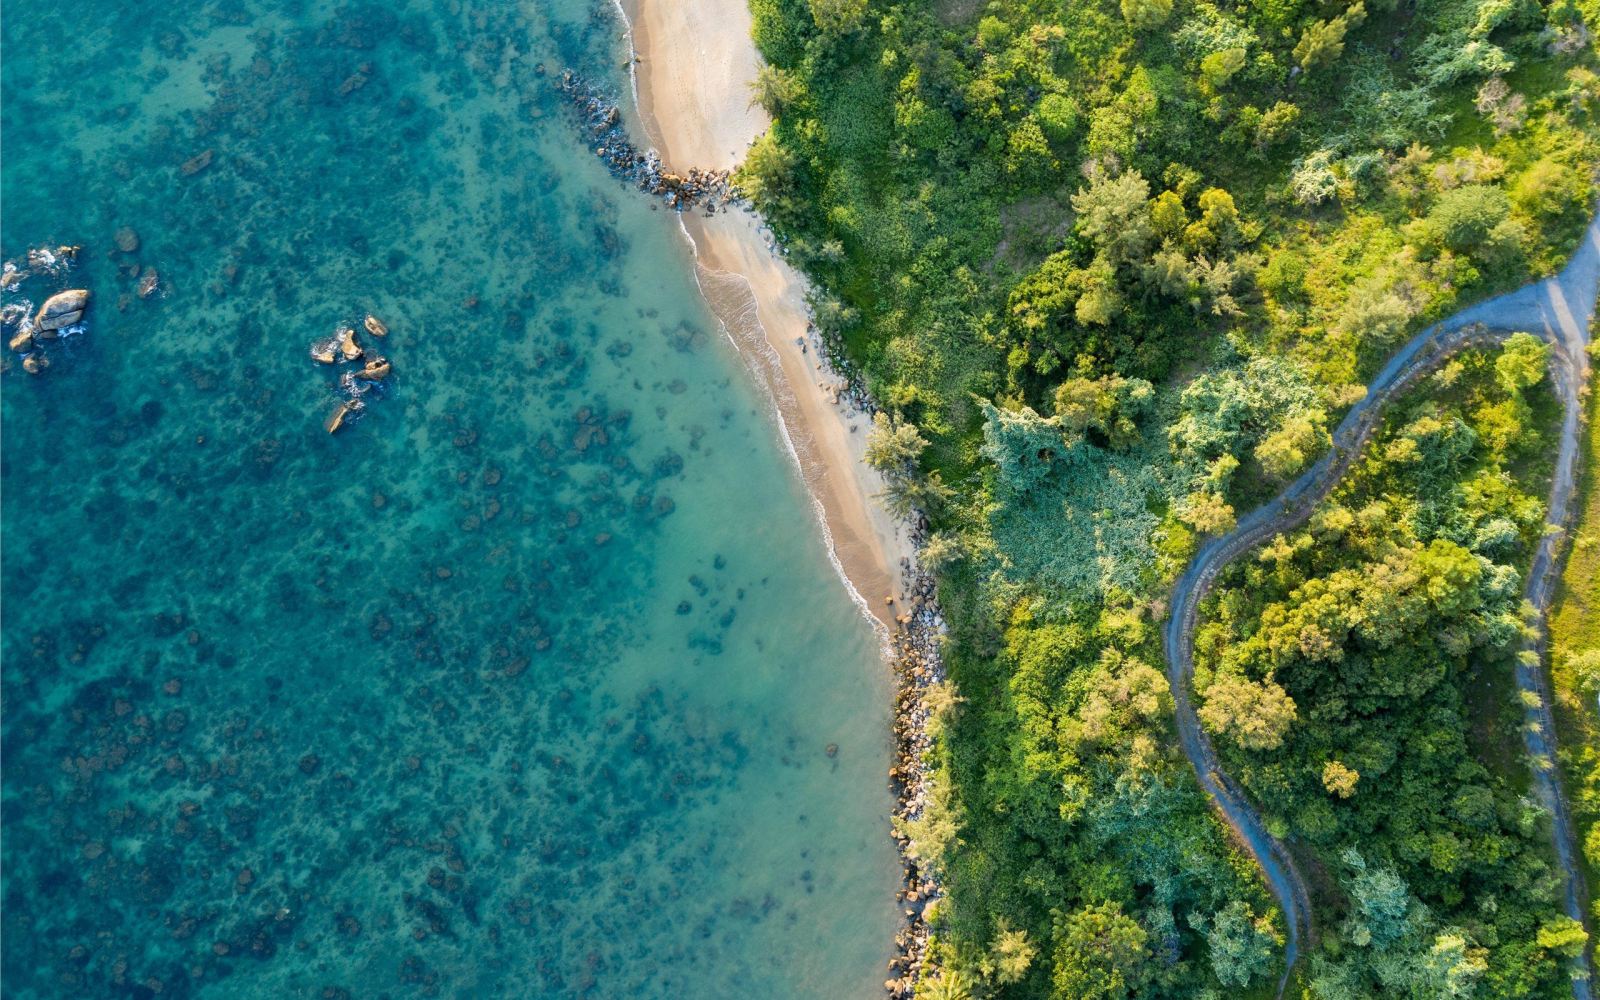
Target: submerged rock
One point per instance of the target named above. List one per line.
(194, 164)
(127, 240)
(33, 364)
(149, 282)
(62, 309)
(336, 421)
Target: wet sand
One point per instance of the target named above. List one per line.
(695, 65)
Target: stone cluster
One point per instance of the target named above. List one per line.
(917, 665)
(354, 384)
(600, 120)
(27, 330)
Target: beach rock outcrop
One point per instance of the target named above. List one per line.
(62, 309)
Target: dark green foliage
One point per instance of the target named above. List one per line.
(1380, 619)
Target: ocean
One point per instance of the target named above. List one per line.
(534, 679)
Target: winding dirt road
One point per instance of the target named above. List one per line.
(1557, 309)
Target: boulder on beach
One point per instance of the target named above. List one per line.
(62, 309)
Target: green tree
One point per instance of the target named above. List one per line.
(1207, 512)
(838, 17)
(1464, 217)
(1522, 362)
(1012, 953)
(1453, 967)
(1322, 42)
(949, 984)
(1100, 955)
(1058, 118)
(1219, 67)
(1286, 450)
(1562, 936)
(1110, 404)
(1114, 214)
(1255, 716)
(1339, 779)
(1029, 158)
(1243, 946)
(767, 174)
(893, 446)
(1277, 125)
(1381, 903)
(1146, 15)
(776, 90)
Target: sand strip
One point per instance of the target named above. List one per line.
(696, 64)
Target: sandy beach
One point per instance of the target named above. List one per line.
(695, 65)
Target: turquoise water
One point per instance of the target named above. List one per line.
(524, 683)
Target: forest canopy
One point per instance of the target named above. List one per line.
(1115, 268)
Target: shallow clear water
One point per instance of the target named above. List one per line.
(520, 685)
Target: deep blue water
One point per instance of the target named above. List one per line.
(523, 683)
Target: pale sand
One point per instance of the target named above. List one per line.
(696, 63)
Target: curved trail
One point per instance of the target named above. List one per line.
(1559, 310)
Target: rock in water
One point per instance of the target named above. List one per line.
(127, 240)
(377, 368)
(336, 421)
(22, 340)
(33, 364)
(149, 282)
(63, 309)
(375, 326)
(194, 164)
(348, 344)
(326, 351)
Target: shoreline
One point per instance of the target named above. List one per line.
(691, 68)
(691, 82)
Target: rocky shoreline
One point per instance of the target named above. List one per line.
(600, 120)
(917, 664)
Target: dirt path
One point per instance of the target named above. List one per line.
(1559, 310)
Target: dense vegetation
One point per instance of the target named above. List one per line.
(1353, 674)
(1115, 267)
